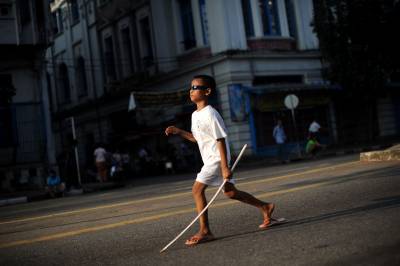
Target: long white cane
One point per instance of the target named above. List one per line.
(209, 203)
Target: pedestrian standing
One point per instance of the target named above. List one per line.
(126, 164)
(313, 130)
(280, 139)
(209, 132)
(116, 165)
(101, 162)
(144, 160)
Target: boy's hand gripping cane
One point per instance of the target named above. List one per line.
(209, 203)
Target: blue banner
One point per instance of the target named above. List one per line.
(237, 102)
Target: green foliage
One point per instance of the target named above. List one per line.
(358, 42)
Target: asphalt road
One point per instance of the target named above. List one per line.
(340, 211)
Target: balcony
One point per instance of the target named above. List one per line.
(28, 25)
(109, 11)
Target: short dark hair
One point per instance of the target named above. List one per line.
(207, 80)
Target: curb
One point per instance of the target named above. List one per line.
(371, 149)
(43, 196)
(74, 192)
(89, 189)
(12, 201)
(377, 156)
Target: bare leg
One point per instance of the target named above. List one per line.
(265, 207)
(201, 202)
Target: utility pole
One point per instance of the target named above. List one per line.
(76, 150)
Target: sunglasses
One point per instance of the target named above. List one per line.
(199, 87)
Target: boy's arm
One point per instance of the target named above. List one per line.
(226, 172)
(177, 131)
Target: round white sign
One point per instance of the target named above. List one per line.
(291, 101)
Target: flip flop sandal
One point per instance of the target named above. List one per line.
(266, 223)
(195, 240)
(273, 221)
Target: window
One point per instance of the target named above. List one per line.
(248, 18)
(63, 82)
(204, 21)
(189, 39)
(81, 81)
(7, 112)
(7, 90)
(24, 8)
(291, 18)
(109, 59)
(269, 17)
(6, 125)
(127, 47)
(147, 48)
(49, 90)
(60, 24)
(74, 11)
(54, 23)
(102, 2)
(5, 10)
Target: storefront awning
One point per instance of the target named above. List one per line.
(271, 97)
(290, 88)
(161, 98)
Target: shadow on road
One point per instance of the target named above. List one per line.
(387, 172)
(381, 203)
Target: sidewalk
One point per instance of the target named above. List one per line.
(253, 161)
(246, 163)
(390, 154)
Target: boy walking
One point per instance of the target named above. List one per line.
(209, 132)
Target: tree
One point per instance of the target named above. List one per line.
(359, 52)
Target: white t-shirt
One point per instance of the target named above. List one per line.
(100, 154)
(207, 127)
(314, 127)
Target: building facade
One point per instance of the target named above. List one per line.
(259, 51)
(26, 147)
(76, 80)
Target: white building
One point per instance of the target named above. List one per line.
(76, 80)
(259, 51)
(26, 147)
